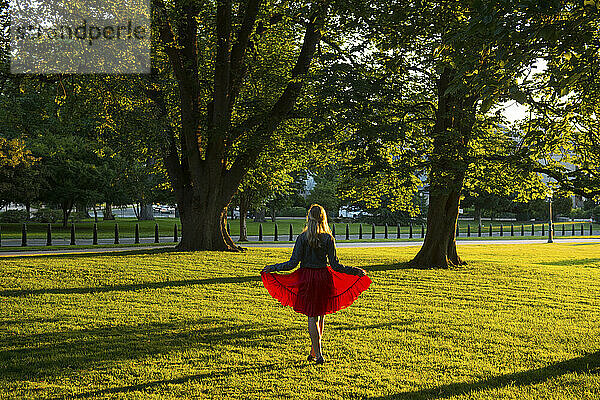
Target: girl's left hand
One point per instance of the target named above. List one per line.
(266, 269)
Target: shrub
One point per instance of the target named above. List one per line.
(47, 215)
(596, 214)
(580, 213)
(14, 216)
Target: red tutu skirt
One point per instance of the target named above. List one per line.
(315, 291)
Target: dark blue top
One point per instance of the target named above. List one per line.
(315, 257)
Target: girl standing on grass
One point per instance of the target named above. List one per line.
(315, 289)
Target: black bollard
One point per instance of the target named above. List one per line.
(95, 234)
(72, 234)
(543, 229)
(372, 231)
(468, 230)
(175, 236)
(422, 231)
(347, 232)
(0, 237)
(491, 230)
(457, 232)
(360, 233)
(532, 230)
(260, 233)
(501, 229)
(291, 233)
(591, 229)
(397, 231)
(276, 234)
(228, 229)
(49, 235)
(385, 233)
(333, 230)
(522, 230)
(116, 233)
(581, 230)
(410, 231)
(572, 229)
(479, 230)
(512, 229)
(156, 238)
(137, 233)
(563, 229)
(24, 235)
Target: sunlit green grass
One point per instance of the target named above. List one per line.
(518, 322)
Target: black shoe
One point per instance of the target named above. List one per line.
(311, 357)
(320, 360)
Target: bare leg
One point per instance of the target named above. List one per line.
(315, 337)
(320, 326)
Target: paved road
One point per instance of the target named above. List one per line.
(289, 245)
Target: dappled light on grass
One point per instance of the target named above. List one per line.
(519, 321)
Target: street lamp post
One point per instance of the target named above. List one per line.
(550, 224)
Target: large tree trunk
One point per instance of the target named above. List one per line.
(259, 215)
(455, 118)
(67, 206)
(146, 212)
(243, 213)
(204, 225)
(439, 246)
(108, 215)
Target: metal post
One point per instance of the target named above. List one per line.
(468, 230)
(260, 233)
(49, 235)
(95, 234)
(175, 235)
(116, 233)
(360, 232)
(137, 233)
(72, 234)
(550, 226)
(386, 231)
(156, 238)
(24, 235)
(276, 234)
(491, 230)
(347, 232)
(372, 231)
(333, 230)
(291, 233)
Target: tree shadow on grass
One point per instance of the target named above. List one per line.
(339, 326)
(130, 287)
(589, 363)
(178, 381)
(29, 357)
(94, 253)
(574, 261)
(389, 267)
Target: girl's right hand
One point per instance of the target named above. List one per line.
(266, 269)
(361, 272)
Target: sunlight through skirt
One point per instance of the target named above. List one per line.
(315, 291)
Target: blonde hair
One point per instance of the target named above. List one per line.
(316, 223)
